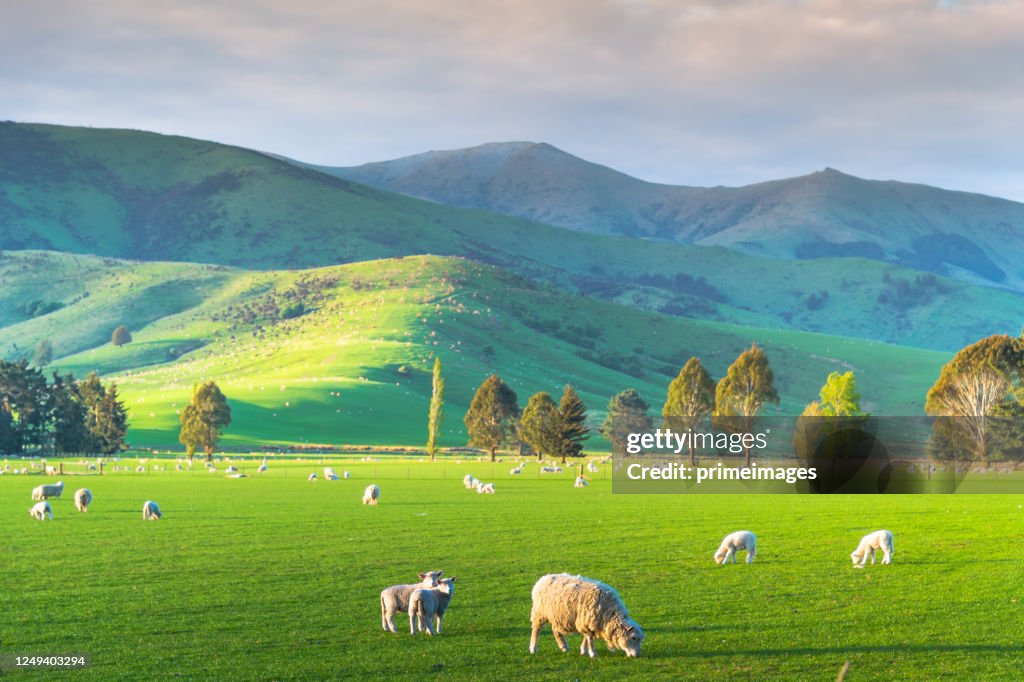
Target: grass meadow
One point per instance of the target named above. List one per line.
(276, 577)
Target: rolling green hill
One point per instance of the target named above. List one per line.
(130, 194)
(827, 213)
(352, 365)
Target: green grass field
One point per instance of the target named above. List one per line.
(275, 577)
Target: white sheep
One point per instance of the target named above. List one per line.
(45, 492)
(40, 510)
(396, 598)
(734, 542)
(329, 474)
(83, 498)
(346, 475)
(371, 494)
(427, 605)
(485, 489)
(151, 511)
(516, 471)
(572, 603)
(580, 482)
(592, 467)
(231, 470)
(880, 539)
(140, 469)
(469, 482)
(262, 469)
(312, 476)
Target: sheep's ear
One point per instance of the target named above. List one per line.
(423, 576)
(439, 573)
(452, 579)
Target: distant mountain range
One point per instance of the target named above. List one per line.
(138, 195)
(828, 213)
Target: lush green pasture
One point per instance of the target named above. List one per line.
(275, 577)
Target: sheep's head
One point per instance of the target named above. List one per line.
(430, 578)
(446, 586)
(627, 636)
(721, 554)
(856, 556)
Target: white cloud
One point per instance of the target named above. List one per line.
(690, 92)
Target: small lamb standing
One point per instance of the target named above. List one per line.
(371, 494)
(469, 481)
(312, 476)
(580, 482)
(880, 539)
(346, 475)
(40, 510)
(151, 511)
(83, 498)
(396, 598)
(572, 603)
(427, 605)
(740, 540)
(45, 492)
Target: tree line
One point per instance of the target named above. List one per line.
(61, 415)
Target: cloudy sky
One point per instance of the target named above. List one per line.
(687, 92)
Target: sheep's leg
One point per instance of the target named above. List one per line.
(438, 620)
(872, 556)
(537, 623)
(412, 622)
(887, 556)
(750, 556)
(425, 623)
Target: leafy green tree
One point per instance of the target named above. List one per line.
(25, 396)
(436, 414)
(748, 384)
(42, 355)
(490, 420)
(203, 419)
(106, 418)
(121, 336)
(573, 413)
(982, 381)
(627, 413)
(541, 425)
(70, 431)
(839, 396)
(691, 398)
(10, 439)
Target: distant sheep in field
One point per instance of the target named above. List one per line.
(151, 511)
(371, 494)
(485, 489)
(396, 598)
(329, 474)
(140, 469)
(880, 539)
(429, 605)
(178, 467)
(591, 467)
(469, 482)
(45, 492)
(734, 542)
(580, 482)
(83, 498)
(262, 468)
(312, 476)
(572, 603)
(231, 469)
(40, 510)
(518, 470)
(346, 475)
(551, 470)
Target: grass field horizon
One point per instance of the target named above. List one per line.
(276, 577)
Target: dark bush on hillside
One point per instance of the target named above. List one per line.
(292, 311)
(817, 300)
(682, 283)
(822, 249)
(906, 294)
(39, 308)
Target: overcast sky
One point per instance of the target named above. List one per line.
(699, 93)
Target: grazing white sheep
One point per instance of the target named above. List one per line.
(140, 469)
(427, 605)
(880, 539)
(396, 598)
(580, 482)
(469, 482)
(371, 494)
(45, 492)
(231, 469)
(591, 467)
(346, 475)
(40, 510)
(734, 542)
(262, 469)
(329, 474)
(572, 603)
(518, 470)
(312, 476)
(151, 511)
(83, 498)
(485, 489)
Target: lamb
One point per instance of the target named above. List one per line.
(396, 598)
(231, 469)
(572, 603)
(469, 482)
(591, 467)
(263, 468)
(45, 492)
(312, 476)
(371, 494)
(485, 489)
(741, 539)
(83, 498)
(428, 605)
(346, 475)
(40, 510)
(329, 474)
(580, 482)
(880, 539)
(151, 511)
(516, 471)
